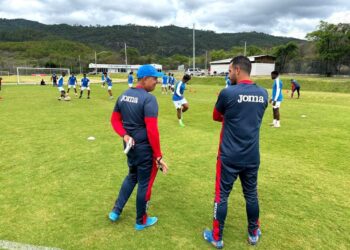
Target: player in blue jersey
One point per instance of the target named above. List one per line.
(135, 119)
(130, 79)
(276, 98)
(72, 82)
(60, 84)
(240, 108)
(172, 83)
(108, 80)
(85, 84)
(165, 84)
(179, 100)
(295, 87)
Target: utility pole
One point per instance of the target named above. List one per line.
(126, 56)
(95, 63)
(245, 48)
(79, 65)
(206, 59)
(194, 49)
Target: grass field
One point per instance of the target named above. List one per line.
(56, 187)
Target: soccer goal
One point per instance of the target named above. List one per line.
(4, 73)
(29, 75)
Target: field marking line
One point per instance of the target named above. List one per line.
(11, 245)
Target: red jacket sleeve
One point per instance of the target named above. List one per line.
(153, 135)
(217, 116)
(117, 124)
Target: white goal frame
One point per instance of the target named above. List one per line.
(55, 70)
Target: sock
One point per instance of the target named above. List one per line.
(274, 121)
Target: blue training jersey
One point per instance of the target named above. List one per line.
(242, 106)
(109, 81)
(85, 82)
(296, 84)
(179, 91)
(103, 77)
(60, 81)
(130, 79)
(277, 90)
(134, 105)
(165, 79)
(72, 80)
(228, 82)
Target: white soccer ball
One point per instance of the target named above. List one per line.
(67, 98)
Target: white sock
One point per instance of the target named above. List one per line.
(274, 121)
(277, 122)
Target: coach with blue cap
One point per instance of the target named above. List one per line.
(135, 120)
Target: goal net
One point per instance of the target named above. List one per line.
(4, 73)
(28, 75)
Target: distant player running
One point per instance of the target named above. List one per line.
(295, 87)
(60, 83)
(85, 84)
(179, 100)
(276, 98)
(227, 81)
(165, 84)
(72, 83)
(130, 79)
(109, 84)
(172, 82)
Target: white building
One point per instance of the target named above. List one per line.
(261, 65)
(117, 68)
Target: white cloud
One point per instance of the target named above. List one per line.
(293, 18)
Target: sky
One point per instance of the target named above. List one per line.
(290, 18)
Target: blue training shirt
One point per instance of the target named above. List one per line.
(277, 90)
(85, 82)
(130, 79)
(242, 106)
(108, 80)
(72, 80)
(165, 79)
(60, 82)
(134, 105)
(179, 91)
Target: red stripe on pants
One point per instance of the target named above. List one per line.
(149, 188)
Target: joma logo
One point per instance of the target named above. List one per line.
(250, 98)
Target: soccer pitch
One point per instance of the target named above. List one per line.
(57, 187)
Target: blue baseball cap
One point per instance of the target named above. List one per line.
(148, 70)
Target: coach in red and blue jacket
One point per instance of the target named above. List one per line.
(135, 119)
(240, 107)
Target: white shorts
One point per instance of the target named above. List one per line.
(277, 105)
(164, 85)
(83, 88)
(109, 87)
(178, 104)
(72, 86)
(60, 89)
(130, 85)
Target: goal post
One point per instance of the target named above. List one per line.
(30, 75)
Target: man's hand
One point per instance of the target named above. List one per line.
(126, 138)
(162, 165)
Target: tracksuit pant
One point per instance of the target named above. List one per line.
(226, 175)
(142, 171)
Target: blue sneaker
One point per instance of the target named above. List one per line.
(208, 236)
(254, 238)
(113, 216)
(150, 222)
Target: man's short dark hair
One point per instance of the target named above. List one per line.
(186, 77)
(243, 62)
(275, 72)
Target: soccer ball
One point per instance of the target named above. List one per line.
(67, 98)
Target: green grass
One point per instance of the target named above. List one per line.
(56, 187)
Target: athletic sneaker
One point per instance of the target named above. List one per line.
(88, 97)
(208, 236)
(149, 222)
(113, 216)
(181, 123)
(111, 97)
(254, 237)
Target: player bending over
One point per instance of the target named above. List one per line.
(295, 87)
(179, 100)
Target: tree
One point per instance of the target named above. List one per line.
(285, 53)
(333, 44)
